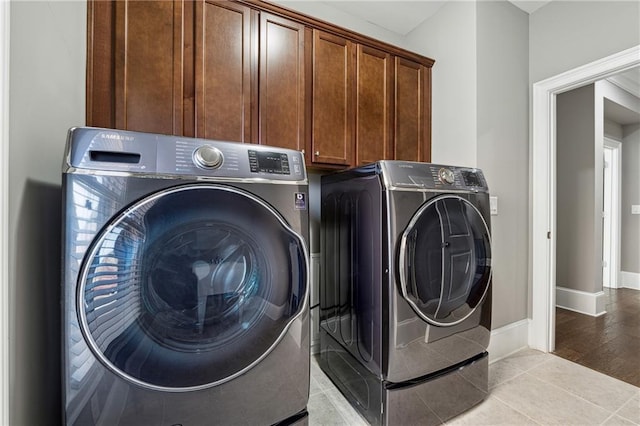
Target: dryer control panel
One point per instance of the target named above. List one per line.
(420, 176)
(110, 150)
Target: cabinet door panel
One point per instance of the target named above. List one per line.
(282, 82)
(223, 57)
(332, 134)
(148, 66)
(412, 116)
(373, 105)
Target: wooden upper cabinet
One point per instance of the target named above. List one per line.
(252, 71)
(282, 82)
(135, 65)
(412, 122)
(332, 122)
(374, 104)
(225, 62)
(148, 61)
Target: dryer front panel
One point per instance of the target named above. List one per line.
(191, 287)
(445, 260)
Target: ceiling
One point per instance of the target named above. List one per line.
(402, 17)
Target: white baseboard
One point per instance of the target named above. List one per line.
(629, 280)
(508, 339)
(592, 304)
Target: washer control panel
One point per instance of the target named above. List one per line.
(407, 175)
(146, 153)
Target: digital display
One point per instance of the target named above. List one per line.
(471, 178)
(269, 162)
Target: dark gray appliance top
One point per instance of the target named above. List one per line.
(96, 150)
(408, 175)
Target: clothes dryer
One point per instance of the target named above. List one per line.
(405, 299)
(185, 281)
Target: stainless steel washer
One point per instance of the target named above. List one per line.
(185, 281)
(405, 300)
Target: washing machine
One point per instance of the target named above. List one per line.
(185, 281)
(405, 296)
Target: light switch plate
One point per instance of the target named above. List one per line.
(493, 205)
(635, 209)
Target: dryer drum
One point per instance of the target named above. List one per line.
(445, 256)
(190, 287)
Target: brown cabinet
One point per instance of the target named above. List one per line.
(374, 105)
(412, 124)
(333, 67)
(251, 71)
(135, 66)
(282, 82)
(225, 64)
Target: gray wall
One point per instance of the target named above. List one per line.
(449, 37)
(324, 11)
(630, 194)
(503, 146)
(564, 35)
(47, 96)
(576, 191)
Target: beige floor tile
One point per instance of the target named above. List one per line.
(548, 404)
(322, 412)
(631, 410)
(502, 371)
(618, 421)
(526, 359)
(602, 390)
(491, 412)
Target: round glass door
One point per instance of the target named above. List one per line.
(445, 260)
(191, 287)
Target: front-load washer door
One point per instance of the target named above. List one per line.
(191, 287)
(445, 260)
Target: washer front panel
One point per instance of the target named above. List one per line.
(191, 287)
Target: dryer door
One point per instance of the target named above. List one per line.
(445, 260)
(191, 287)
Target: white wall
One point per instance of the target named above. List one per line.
(47, 96)
(564, 35)
(503, 146)
(449, 37)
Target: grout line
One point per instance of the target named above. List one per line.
(623, 405)
(518, 411)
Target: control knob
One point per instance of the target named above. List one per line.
(207, 157)
(446, 176)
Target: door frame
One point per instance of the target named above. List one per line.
(542, 178)
(614, 257)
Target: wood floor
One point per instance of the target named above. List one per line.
(609, 343)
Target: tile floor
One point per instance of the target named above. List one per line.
(526, 388)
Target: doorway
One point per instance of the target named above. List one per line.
(611, 213)
(543, 193)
